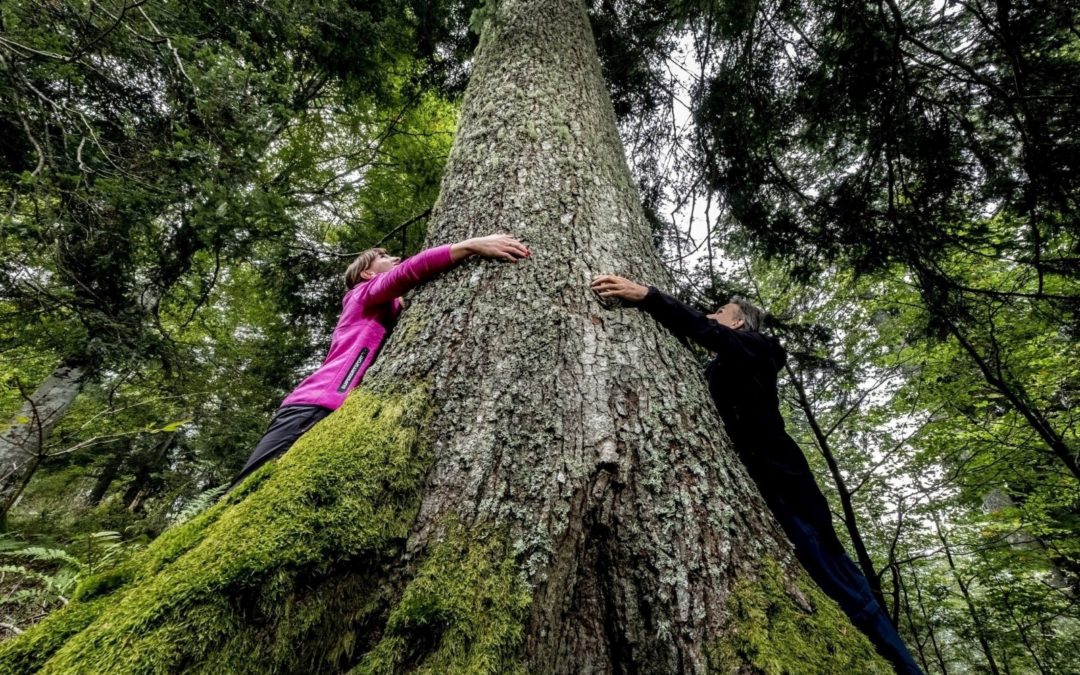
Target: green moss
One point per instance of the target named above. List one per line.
(772, 633)
(24, 653)
(564, 134)
(103, 584)
(415, 325)
(242, 587)
(463, 612)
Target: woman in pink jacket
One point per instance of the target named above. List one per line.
(372, 303)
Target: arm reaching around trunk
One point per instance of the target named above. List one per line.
(680, 319)
(492, 246)
(399, 278)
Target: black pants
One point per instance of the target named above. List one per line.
(787, 484)
(289, 423)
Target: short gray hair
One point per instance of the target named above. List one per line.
(753, 315)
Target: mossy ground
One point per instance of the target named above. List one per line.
(242, 587)
(771, 633)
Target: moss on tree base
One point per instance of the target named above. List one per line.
(463, 612)
(773, 633)
(287, 574)
(298, 570)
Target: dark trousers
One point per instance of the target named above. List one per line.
(288, 424)
(785, 481)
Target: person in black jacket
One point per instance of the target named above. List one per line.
(742, 380)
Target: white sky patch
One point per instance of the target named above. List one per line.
(691, 215)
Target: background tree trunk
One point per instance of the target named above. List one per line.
(22, 442)
(976, 620)
(996, 500)
(527, 481)
(928, 621)
(108, 472)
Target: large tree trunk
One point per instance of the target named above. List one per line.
(22, 442)
(528, 481)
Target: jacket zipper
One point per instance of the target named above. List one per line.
(352, 371)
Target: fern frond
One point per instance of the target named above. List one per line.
(25, 596)
(200, 503)
(43, 554)
(26, 573)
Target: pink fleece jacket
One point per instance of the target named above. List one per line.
(368, 312)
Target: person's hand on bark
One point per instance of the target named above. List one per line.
(611, 286)
(492, 246)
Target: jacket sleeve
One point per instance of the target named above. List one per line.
(687, 322)
(407, 275)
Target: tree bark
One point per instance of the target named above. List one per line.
(529, 480)
(996, 500)
(22, 443)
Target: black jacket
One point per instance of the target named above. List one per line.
(742, 372)
(742, 381)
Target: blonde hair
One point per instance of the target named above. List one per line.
(362, 262)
